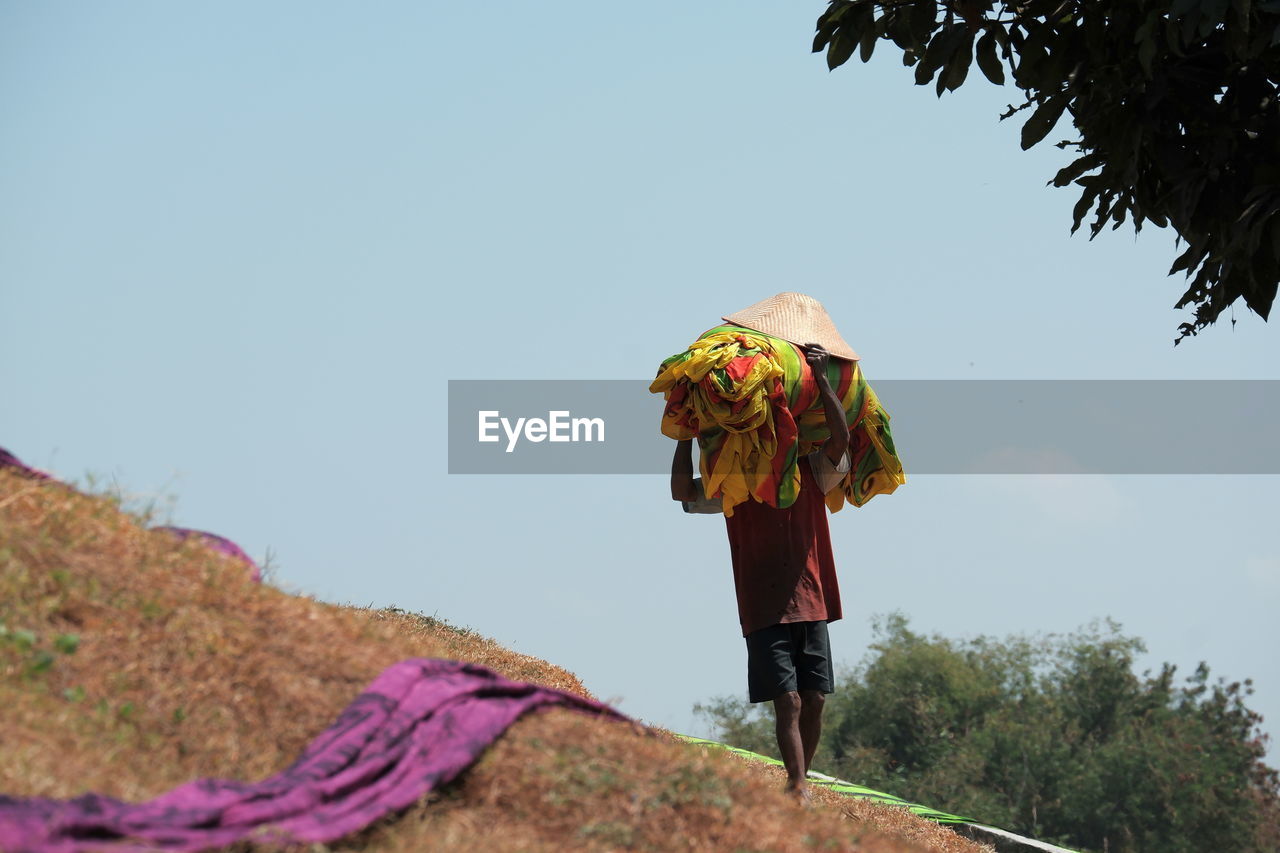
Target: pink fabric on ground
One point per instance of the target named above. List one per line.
(221, 544)
(13, 463)
(418, 726)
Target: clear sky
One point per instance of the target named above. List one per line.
(244, 246)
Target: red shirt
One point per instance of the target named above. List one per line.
(783, 569)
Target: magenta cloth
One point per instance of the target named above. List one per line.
(13, 463)
(220, 544)
(213, 540)
(420, 724)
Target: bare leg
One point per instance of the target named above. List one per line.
(787, 710)
(811, 703)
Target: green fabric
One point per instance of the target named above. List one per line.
(852, 790)
(839, 785)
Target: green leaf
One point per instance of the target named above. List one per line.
(1077, 168)
(867, 45)
(1086, 200)
(67, 643)
(1242, 10)
(1147, 27)
(829, 22)
(1033, 57)
(924, 17)
(987, 59)
(1214, 12)
(1002, 38)
(1260, 301)
(939, 51)
(1190, 25)
(1043, 119)
(1146, 55)
(827, 26)
(897, 26)
(1188, 260)
(957, 68)
(924, 72)
(841, 48)
(40, 662)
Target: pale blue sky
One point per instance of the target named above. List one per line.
(243, 248)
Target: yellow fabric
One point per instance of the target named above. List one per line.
(743, 464)
(752, 402)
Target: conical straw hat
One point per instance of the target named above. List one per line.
(796, 318)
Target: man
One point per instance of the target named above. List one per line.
(785, 580)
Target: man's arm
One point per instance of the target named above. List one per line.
(835, 446)
(682, 486)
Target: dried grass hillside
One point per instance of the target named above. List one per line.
(131, 663)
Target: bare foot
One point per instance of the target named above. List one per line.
(800, 793)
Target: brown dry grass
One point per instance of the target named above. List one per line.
(131, 663)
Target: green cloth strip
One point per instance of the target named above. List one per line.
(839, 785)
(852, 790)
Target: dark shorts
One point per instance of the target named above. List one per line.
(788, 657)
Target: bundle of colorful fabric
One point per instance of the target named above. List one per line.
(752, 402)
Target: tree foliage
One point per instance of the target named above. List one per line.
(1174, 103)
(1056, 738)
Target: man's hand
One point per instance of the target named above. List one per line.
(682, 487)
(838, 442)
(818, 358)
